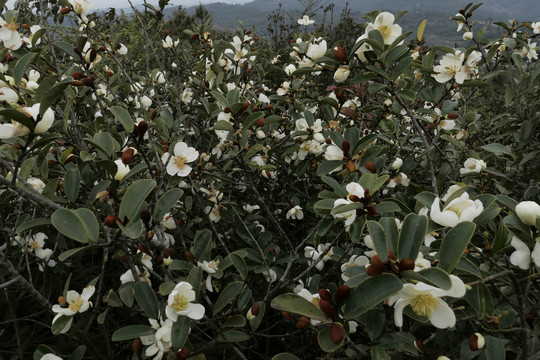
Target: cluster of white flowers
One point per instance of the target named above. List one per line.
(454, 65)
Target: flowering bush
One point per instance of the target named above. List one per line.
(379, 200)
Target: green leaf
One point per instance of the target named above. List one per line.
(432, 276)
(19, 117)
(420, 31)
(69, 253)
(255, 322)
(124, 117)
(72, 183)
(454, 243)
(285, 356)
(80, 225)
(223, 125)
(146, 298)
(166, 202)
(126, 294)
(41, 351)
(60, 324)
(227, 296)
(498, 149)
(370, 293)
(202, 245)
(67, 48)
(298, 305)
(39, 222)
(51, 95)
(391, 231)
(180, 332)
(132, 229)
(378, 353)
(78, 353)
(21, 66)
(235, 321)
(378, 236)
(133, 198)
(375, 323)
(132, 332)
(411, 236)
(329, 166)
(233, 336)
(494, 348)
(195, 279)
(401, 66)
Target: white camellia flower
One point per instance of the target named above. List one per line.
(122, 170)
(180, 303)
(183, 154)
(160, 341)
(468, 35)
(210, 267)
(17, 129)
(8, 95)
(535, 255)
(452, 66)
(458, 210)
(169, 43)
(270, 275)
(425, 300)
(168, 221)
(316, 51)
(522, 256)
(472, 165)
(36, 184)
(536, 27)
(396, 164)
(305, 20)
(122, 50)
(9, 34)
(81, 7)
(341, 74)
(323, 250)
(312, 298)
(365, 47)
(349, 215)
(355, 189)
(452, 189)
(36, 242)
(295, 213)
(528, 212)
(75, 303)
(384, 22)
(289, 69)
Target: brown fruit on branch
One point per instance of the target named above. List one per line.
(255, 309)
(337, 333)
(327, 308)
(325, 295)
(342, 293)
(302, 323)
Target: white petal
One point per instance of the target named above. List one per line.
(398, 311)
(196, 311)
(443, 316)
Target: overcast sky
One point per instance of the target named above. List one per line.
(104, 4)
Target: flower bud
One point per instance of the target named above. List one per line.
(325, 295)
(146, 217)
(287, 316)
(302, 323)
(342, 293)
(110, 221)
(142, 127)
(351, 167)
(169, 252)
(65, 10)
(419, 345)
(337, 333)
(397, 164)
(406, 264)
(340, 54)
(128, 156)
(62, 301)
(371, 167)
(467, 35)
(244, 107)
(137, 346)
(194, 37)
(260, 122)
(371, 210)
(255, 309)
(268, 107)
(477, 342)
(354, 198)
(189, 256)
(528, 212)
(87, 81)
(341, 74)
(76, 83)
(327, 308)
(375, 269)
(77, 75)
(90, 55)
(345, 146)
(183, 354)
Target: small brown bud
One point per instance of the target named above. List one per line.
(189, 256)
(87, 81)
(227, 110)
(340, 54)
(406, 264)
(65, 10)
(142, 127)
(325, 295)
(244, 107)
(183, 354)
(468, 15)
(153, 114)
(337, 333)
(327, 308)
(128, 156)
(25, 27)
(137, 346)
(111, 220)
(142, 248)
(62, 301)
(287, 316)
(273, 251)
(342, 293)
(392, 256)
(419, 345)
(268, 107)
(260, 122)
(255, 309)
(354, 198)
(302, 323)
(76, 83)
(51, 162)
(166, 32)
(169, 252)
(461, 11)
(452, 116)
(351, 167)
(149, 235)
(328, 140)
(477, 342)
(345, 146)
(371, 167)
(194, 37)
(371, 210)
(109, 73)
(69, 159)
(146, 216)
(375, 269)
(376, 260)
(77, 75)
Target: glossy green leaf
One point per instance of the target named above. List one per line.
(370, 293)
(195, 279)
(72, 183)
(132, 332)
(146, 298)
(133, 198)
(52, 95)
(378, 236)
(285, 356)
(19, 117)
(60, 324)
(375, 320)
(228, 294)
(69, 253)
(420, 31)
(21, 67)
(179, 332)
(166, 202)
(80, 225)
(123, 116)
(234, 321)
(454, 243)
(27, 225)
(329, 166)
(256, 321)
(411, 236)
(298, 305)
(202, 245)
(432, 276)
(233, 336)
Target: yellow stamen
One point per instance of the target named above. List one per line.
(180, 303)
(386, 31)
(180, 161)
(33, 245)
(424, 304)
(76, 304)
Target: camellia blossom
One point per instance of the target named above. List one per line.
(305, 20)
(122, 170)
(458, 210)
(81, 7)
(74, 303)
(522, 256)
(295, 213)
(17, 129)
(160, 342)
(472, 165)
(180, 303)
(528, 212)
(323, 250)
(425, 300)
(183, 154)
(36, 243)
(9, 34)
(209, 267)
(452, 66)
(384, 22)
(341, 74)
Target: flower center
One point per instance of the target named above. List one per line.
(386, 31)
(76, 304)
(315, 301)
(180, 161)
(33, 245)
(180, 303)
(424, 304)
(213, 265)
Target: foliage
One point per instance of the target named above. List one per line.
(169, 191)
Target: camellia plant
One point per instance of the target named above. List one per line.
(193, 195)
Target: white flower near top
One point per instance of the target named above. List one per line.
(458, 210)
(472, 165)
(396, 164)
(323, 251)
(333, 152)
(289, 69)
(425, 300)
(452, 189)
(179, 303)
(528, 212)
(169, 43)
(210, 267)
(159, 342)
(81, 7)
(536, 27)
(468, 35)
(522, 256)
(177, 163)
(18, 129)
(354, 189)
(305, 20)
(384, 22)
(9, 34)
(295, 213)
(453, 66)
